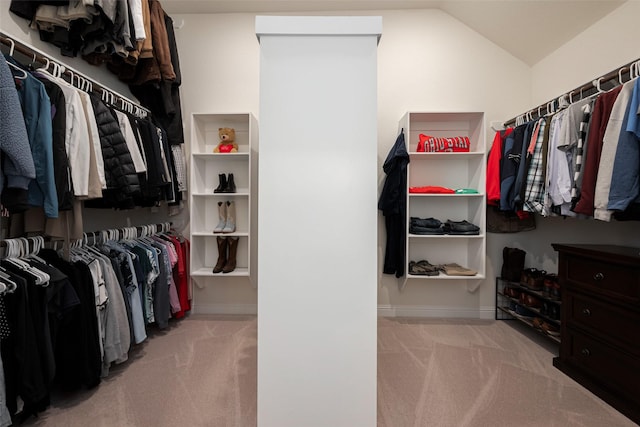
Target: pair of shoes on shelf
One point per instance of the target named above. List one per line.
(523, 311)
(461, 228)
(227, 250)
(453, 269)
(433, 226)
(530, 300)
(551, 286)
(227, 215)
(511, 292)
(425, 226)
(546, 327)
(226, 184)
(423, 268)
(533, 278)
(550, 309)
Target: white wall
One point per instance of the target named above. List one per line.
(427, 61)
(606, 45)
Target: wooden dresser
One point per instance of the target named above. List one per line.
(600, 332)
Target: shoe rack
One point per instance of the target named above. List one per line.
(210, 191)
(536, 307)
(452, 170)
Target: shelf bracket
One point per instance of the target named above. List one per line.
(402, 282)
(473, 285)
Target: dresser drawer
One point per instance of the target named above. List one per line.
(603, 277)
(611, 322)
(615, 370)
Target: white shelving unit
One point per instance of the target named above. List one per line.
(205, 169)
(454, 170)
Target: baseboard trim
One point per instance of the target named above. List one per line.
(435, 311)
(383, 311)
(225, 309)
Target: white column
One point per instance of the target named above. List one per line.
(317, 221)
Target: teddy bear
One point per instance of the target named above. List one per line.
(227, 142)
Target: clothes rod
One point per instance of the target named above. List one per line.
(107, 94)
(583, 91)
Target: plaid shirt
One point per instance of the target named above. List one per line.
(534, 192)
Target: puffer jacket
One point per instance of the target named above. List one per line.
(120, 173)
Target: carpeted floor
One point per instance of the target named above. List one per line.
(202, 372)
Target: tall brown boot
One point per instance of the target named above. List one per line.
(222, 254)
(231, 261)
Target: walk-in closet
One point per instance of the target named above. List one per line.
(311, 213)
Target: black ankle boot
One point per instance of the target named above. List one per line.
(222, 185)
(231, 185)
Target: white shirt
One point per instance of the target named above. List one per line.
(130, 139)
(94, 137)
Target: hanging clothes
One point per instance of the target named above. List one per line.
(607, 156)
(36, 107)
(534, 192)
(625, 185)
(76, 137)
(17, 164)
(122, 180)
(581, 152)
(393, 204)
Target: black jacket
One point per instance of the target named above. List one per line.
(122, 180)
(154, 181)
(393, 204)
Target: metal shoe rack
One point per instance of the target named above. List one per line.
(506, 307)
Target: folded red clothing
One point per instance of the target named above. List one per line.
(433, 144)
(431, 189)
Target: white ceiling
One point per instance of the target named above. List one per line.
(528, 29)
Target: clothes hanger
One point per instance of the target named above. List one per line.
(596, 84)
(620, 72)
(17, 250)
(43, 278)
(38, 244)
(23, 74)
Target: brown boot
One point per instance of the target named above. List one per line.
(222, 254)
(231, 261)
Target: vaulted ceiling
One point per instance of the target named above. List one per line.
(528, 29)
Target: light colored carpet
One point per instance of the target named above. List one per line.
(202, 372)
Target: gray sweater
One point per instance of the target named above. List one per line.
(17, 164)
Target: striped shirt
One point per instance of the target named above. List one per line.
(579, 154)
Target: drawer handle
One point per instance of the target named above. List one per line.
(586, 352)
(586, 312)
(598, 277)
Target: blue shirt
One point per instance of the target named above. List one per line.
(36, 108)
(625, 184)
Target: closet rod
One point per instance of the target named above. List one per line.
(41, 57)
(583, 91)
